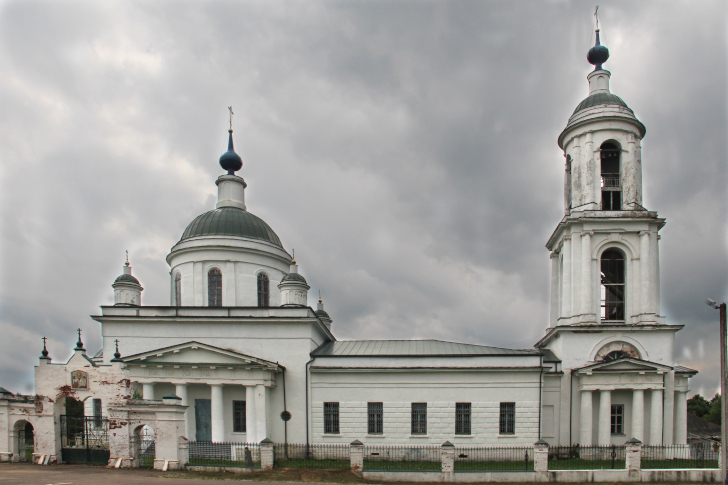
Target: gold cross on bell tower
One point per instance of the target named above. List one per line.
(230, 108)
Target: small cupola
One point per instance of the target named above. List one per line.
(294, 289)
(127, 290)
(321, 313)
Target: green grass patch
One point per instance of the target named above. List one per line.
(219, 462)
(581, 464)
(315, 464)
(400, 466)
(487, 466)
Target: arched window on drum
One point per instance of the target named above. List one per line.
(263, 290)
(178, 289)
(214, 287)
(613, 286)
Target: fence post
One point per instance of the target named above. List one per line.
(447, 457)
(183, 452)
(356, 456)
(634, 456)
(266, 454)
(540, 456)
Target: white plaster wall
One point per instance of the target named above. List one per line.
(397, 390)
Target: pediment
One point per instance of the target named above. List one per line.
(626, 364)
(196, 353)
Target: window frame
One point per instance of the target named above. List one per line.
(240, 423)
(331, 418)
(507, 418)
(375, 418)
(263, 285)
(617, 290)
(463, 418)
(214, 292)
(611, 191)
(418, 419)
(178, 289)
(616, 421)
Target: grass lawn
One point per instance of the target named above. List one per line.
(667, 464)
(213, 462)
(488, 466)
(400, 466)
(322, 464)
(580, 464)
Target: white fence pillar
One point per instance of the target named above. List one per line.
(634, 455)
(266, 454)
(541, 456)
(356, 456)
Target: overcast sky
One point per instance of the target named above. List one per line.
(406, 150)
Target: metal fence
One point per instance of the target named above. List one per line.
(606, 457)
(402, 458)
(208, 453)
(477, 459)
(147, 447)
(315, 455)
(700, 454)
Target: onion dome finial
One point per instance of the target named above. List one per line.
(117, 355)
(79, 344)
(598, 54)
(230, 160)
(44, 353)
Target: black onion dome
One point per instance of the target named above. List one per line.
(126, 278)
(598, 54)
(294, 277)
(230, 160)
(601, 98)
(231, 221)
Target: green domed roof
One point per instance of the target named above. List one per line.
(293, 277)
(126, 278)
(600, 98)
(231, 221)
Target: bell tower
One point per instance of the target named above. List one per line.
(604, 252)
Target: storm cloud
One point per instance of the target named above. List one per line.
(406, 150)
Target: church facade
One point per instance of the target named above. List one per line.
(238, 355)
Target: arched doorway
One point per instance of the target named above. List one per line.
(24, 445)
(143, 446)
(84, 439)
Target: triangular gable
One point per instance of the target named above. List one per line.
(82, 359)
(625, 364)
(192, 353)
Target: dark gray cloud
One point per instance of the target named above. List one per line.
(407, 150)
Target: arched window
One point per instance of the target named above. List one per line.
(214, 287)
(612, 274)
(178, 289)
(567, 184)
(263, 290)
(611, 183)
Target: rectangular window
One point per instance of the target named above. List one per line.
(419, 418)
(331, 418)
(617, 418)
(239, 424)
(375, 418)
(97, 411)
(462, 418)
(507, 418)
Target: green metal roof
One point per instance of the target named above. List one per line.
(231, 221)
(293, 277)
(126, 278)
(384, 348)
(600, 98)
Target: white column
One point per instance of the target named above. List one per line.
(148, 391)
(250, 431)
(554, 288)
(638, 414)
(261, 421)
(181, 391)
(217, 413)
(586, 281)
(656, 417)
(605, 417)
(645, 306)
(585, 419)
(566, 278)
(681, 418)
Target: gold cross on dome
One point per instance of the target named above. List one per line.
(231, 117)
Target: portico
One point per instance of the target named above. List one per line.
(621, 388)
(209, 379)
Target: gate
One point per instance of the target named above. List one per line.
(146, 447)
(25, 443)
(84, 439)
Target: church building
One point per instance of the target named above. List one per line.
(238, 355)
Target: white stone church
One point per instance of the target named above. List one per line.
(238, 355)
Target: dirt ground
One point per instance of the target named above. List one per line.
(27, 474)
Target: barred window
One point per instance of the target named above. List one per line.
(507, 418)
(239, 424)
(97, 411)
(419, 418)
(214, 287)
(375, 418)
(612, 285)
(178, 289)
(462, 418)
(331, 418)
(617, 418)
(263, 290)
